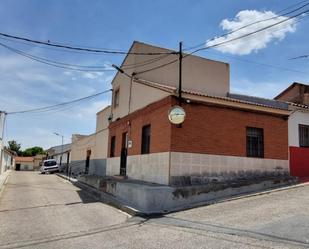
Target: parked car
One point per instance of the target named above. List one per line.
(49, 166)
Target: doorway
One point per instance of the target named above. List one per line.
(124, 154)
(17, 167)
(87, 162)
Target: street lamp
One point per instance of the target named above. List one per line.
(57, 134)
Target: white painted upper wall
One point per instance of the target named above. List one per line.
(141, 96)
(199, 74)
(295, 119)
(102, 118)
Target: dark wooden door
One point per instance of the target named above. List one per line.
(124, 154)
(87, 162)
(17, 166)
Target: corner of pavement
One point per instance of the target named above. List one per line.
(104, 197)
(111, 200)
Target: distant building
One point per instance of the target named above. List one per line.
(8, 160)
(24, 163)
(62, 154)
(38, 159)
(89, 153)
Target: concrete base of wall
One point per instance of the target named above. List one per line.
(96, 167)
(151, 199)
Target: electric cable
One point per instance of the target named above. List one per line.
(228, 41)
(85, 49)
(250, 24)
(46, 108)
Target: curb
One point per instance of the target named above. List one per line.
(113, 201)
(104, 197)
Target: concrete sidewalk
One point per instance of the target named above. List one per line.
(3, 178)
(104, 197)
(135, 198)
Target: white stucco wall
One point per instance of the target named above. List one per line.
(149, 167)
(296, 118)
(113, 166)
(26, 166)
(1, 158)
(173, 167)
(141, 96)
(79, 147)
(102, 118)
(186, 164)
(64, 158)
(199, 74)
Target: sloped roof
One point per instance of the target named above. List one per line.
(244, 99)
(58, 149)
(289, 88)
(24, 159)
(298, 105)
(259, 100)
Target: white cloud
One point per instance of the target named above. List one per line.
(256, 41)
(92, 75)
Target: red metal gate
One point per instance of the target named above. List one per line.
(299, 161)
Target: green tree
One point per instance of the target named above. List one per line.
(33, 151)
(14, 146)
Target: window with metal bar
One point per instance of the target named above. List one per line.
(255, 142)
(303, 135)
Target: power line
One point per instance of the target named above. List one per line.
(259, 63)
(77, 48)
(51, 107)
(251, 33)
(253, 23)
(228, 41)
(300, 57)
(80, 67)
(56, 63)
(146, 62)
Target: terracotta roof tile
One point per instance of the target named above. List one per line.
(173, 90)
(24, 158)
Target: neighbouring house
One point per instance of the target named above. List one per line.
(222, 138)
(62, 154)
(8, 160)
(89, 153)
(24, 163)
(297, 96)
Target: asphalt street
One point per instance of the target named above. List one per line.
(46, 211)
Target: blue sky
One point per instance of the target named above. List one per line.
(27, 84)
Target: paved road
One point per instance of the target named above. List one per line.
(45, 211)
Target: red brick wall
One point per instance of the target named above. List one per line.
(207, 129)
(154, 114)
(222, 131)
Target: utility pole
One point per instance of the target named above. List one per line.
(57, 134)
(180, 73)
(2, 123)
